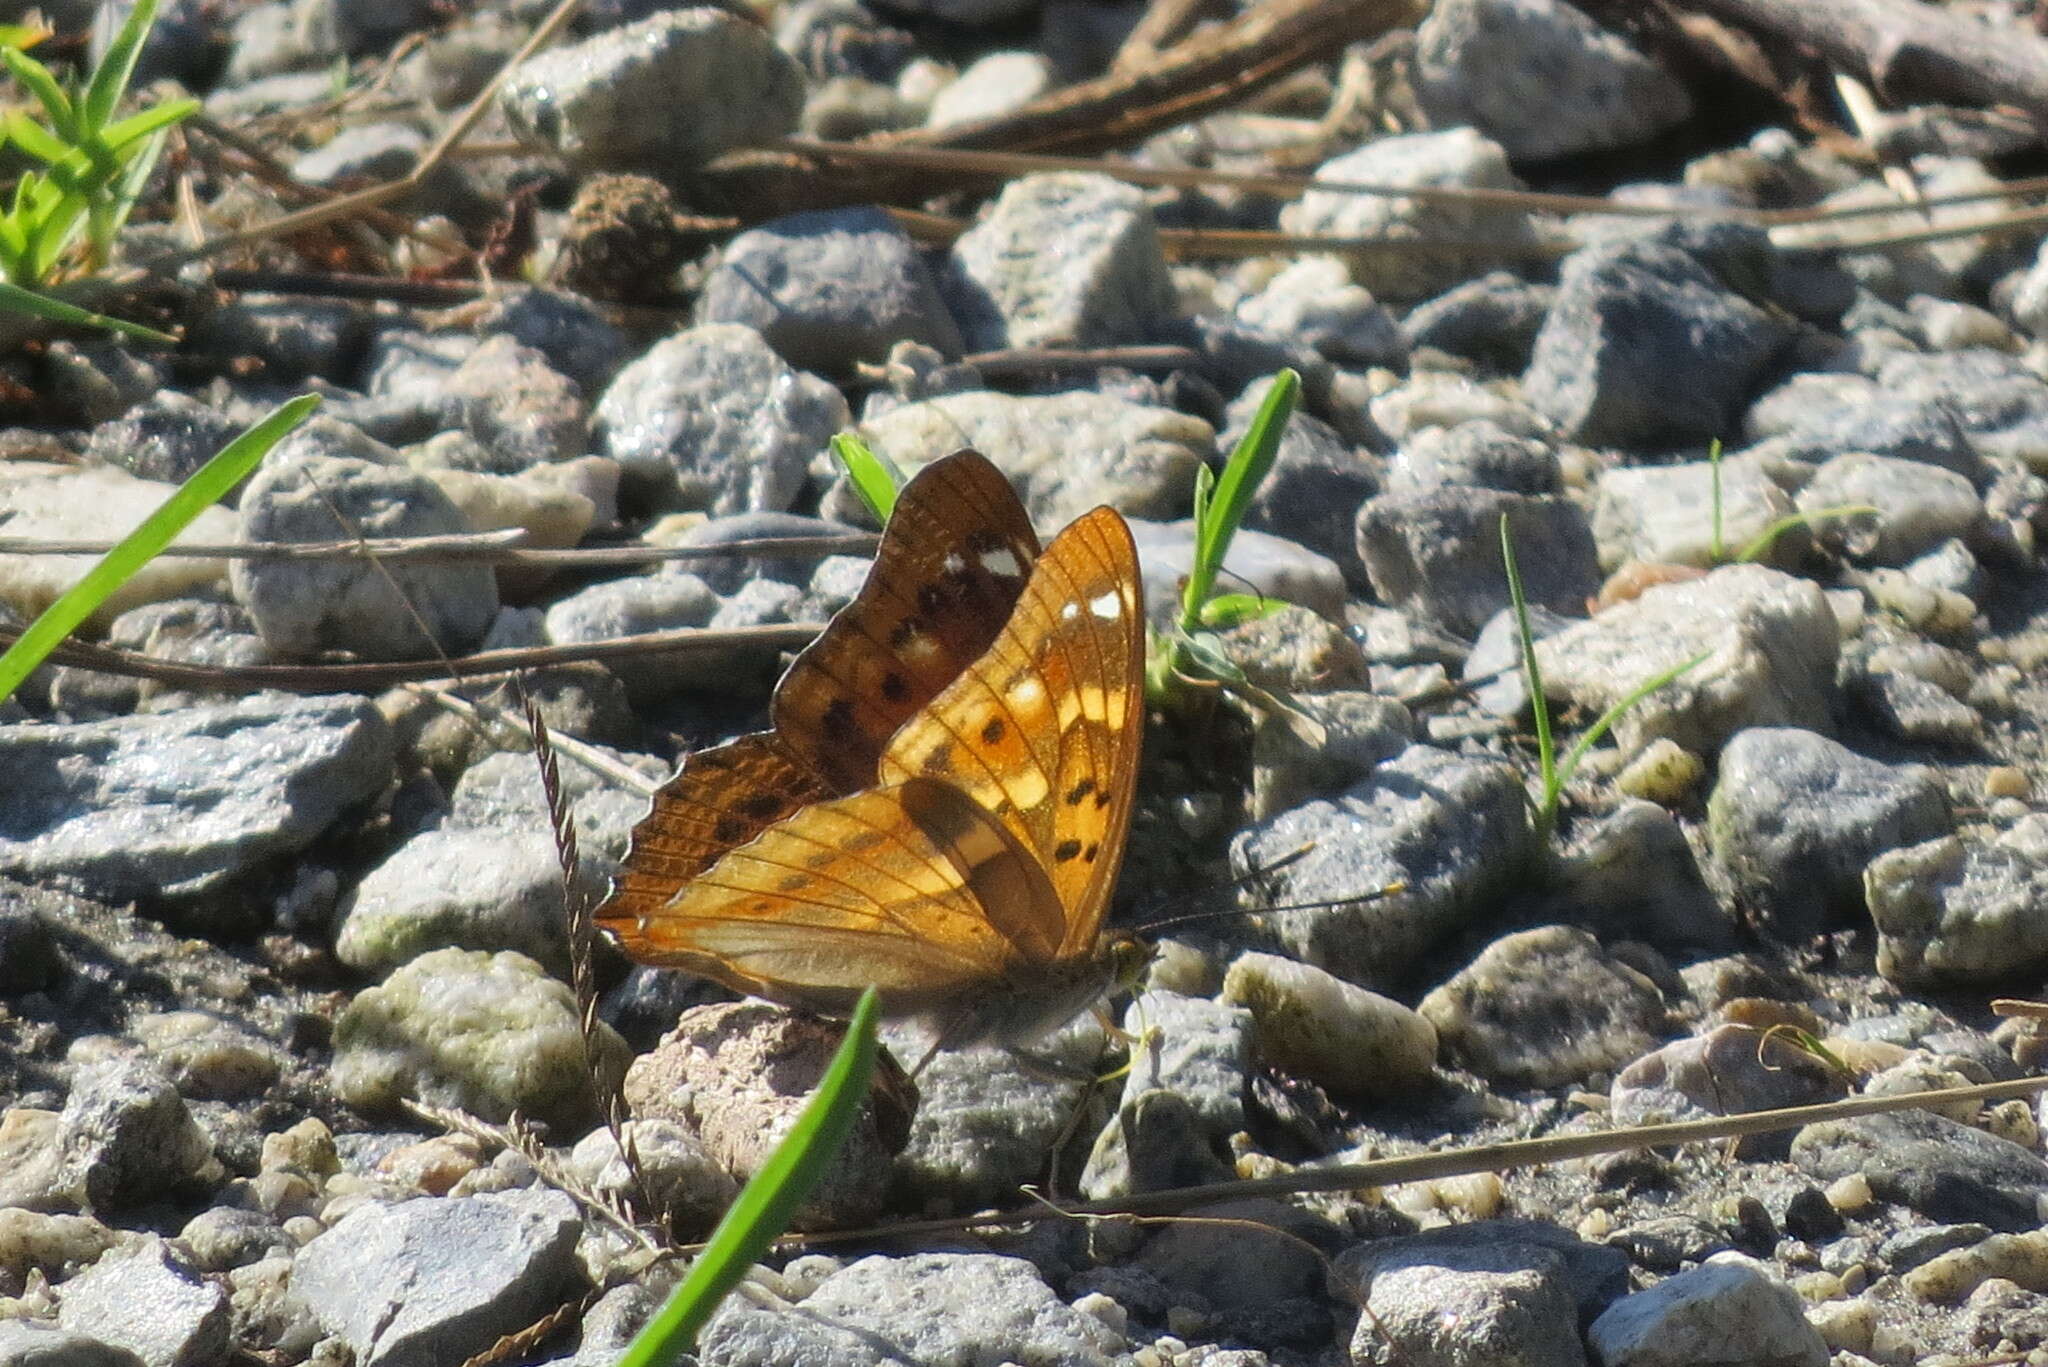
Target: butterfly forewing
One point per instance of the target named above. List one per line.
(957, 551)
(1043, 730)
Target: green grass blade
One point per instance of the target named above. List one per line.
(110, 81)
(1227, 610)
(874, 477)
(1532, 680)
(205, 488)
(18, 300)
(137, 126)
(1715, 546)
(41, 84)
(36, 140)
(1765, 539)
(1224, 510)
(764, 1206)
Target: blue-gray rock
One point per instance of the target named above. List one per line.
(150, 1303)
(178, 804)
(1454, 157)
(1448, 829)
(33, 1343)
(726, 574)
(1062, 259)
(1769, 640)
(664, 95)
(1915, 507)
(1795, 817)
(1726, 1071)
(714, 410)
(1460, 1303)
(1943, 1169)
(1492, 320)
(125, 1136)
(1663, 515)
(1195, 1047)
(166, 437)
(2001, 404)
(227, 1237)
(1631, 874)
(1258, 562)
(1729, 1309)
(1357, 731)
(294, 336)
(1960, 913)
(954, 1307)
(441, 1278)
(302, 607)
(659, 602)
(1479, 454)
(1065, 453)
(829, 289)
(1154, 1141)
(566, 328)
(1542, 78)
(518, 406)
(1312, 300)
(1646, 346)
(1594, 1276)
(472, 889)
(362, 153)
(1813, 417)
(1438, 553)
(29, 961)
(1546, 1007)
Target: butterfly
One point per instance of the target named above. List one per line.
(940, 806)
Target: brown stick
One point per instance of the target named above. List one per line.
(1906, 51)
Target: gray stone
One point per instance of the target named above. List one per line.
(717, 411)
(1631, 874)
(1726, 1071)
(1943, 1169)
(294, 336)
(1478, 453)
(302, 607)
(1794, 817)
(1442, 398)
(1154, 1142)
(1258, 562)
(1770, 642)
(1461, 1304)
(1065, 453)
(962, 1307)
(1492, 320)
(688, 1187)
(523, 410)
(441, 1278)
(1546, 1007)
(1314, 1025)
(664, 95)
(179, 804)
(1814, 417)
(227, 1237)
(29, 1343)
(2001, 405)
(1448, 829)
(125, 1136)
(1455, 157)
(828, 290)
(1312, 300)
(362, 153)
(1730, 1309)
(1438, 552)
(1664, 515)
(148, 1302)
(1062, 259)
(993, 86)
(166, 437)
(1646, 346)
(1594, 1275)
(1197, 1048)
(1542, 78)
(1917, 506)
(1357, 731)
(659, 602)
(1910, 708)
(566, 328)
(467, 888)
(1957, 913)
(489, 1033)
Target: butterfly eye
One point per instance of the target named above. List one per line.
(1128, 959)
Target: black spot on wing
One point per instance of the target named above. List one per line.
(994, 731)
(1079, 792)
(1067, 850)
(894, 688)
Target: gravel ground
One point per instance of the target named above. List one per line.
(242, 928)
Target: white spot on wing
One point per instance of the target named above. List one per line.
(1109, 606)
(953, 564)
(1001, 562)
(1069, 611)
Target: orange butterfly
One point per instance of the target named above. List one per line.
(941, 807)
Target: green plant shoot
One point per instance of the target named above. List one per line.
(874, 477)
